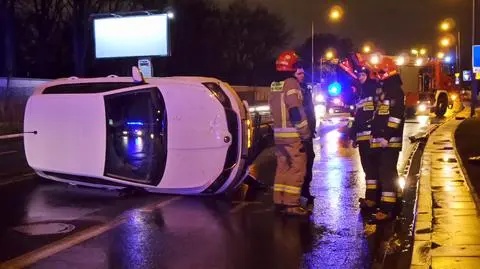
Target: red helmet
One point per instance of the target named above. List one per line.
(287, 61)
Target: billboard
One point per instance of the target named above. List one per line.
(131, 36)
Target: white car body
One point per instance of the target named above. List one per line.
(203, 151)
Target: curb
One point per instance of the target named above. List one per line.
(3, 137)
(474, 194)
(423, 215)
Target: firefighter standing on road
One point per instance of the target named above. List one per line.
(361, 132)
(387, 135)
(308, 144)
(290, 129)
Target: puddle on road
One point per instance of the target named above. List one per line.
(35, 229)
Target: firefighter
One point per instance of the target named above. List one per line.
(387, 134)
(360, 134)
(306, 196)
(290, 129)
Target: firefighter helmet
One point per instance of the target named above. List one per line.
(287, 61)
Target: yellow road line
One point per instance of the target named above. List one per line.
(72, 240)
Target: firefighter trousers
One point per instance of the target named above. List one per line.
(308, 145)
(387, 168)
(369, 165)
(290, 173)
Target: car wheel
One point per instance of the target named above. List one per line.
(442, 104)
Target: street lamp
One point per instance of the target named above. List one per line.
(440, 55)
(423, 51)
(445, 26)
(335, 14)
(445, 42)
(414, 52)
(329, 55)
(367, 49)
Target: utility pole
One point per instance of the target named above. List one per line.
(475, 40)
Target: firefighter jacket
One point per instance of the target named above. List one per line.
(389, 118)
(290, 123)
(361, 130)
(309, 108)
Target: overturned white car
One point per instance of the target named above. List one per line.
(183, 135)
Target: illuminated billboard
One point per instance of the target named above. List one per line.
(131, 36)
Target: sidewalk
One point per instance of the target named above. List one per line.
(447, 227)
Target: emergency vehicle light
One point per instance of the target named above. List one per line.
(334, 89)
(138, 123)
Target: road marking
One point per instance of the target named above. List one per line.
(10, 136)
(58, 246)
(21, 178)
(8, 152)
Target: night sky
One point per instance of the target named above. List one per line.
(393, 25)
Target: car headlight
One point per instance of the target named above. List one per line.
(422, 108)
(138, 132)
(331, 111)
(320, 111)
(337, 101)
(319, 98)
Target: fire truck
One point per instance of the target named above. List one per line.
(428, 87)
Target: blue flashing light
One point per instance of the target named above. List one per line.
(135, 123)
(334, 89)
(448, 59)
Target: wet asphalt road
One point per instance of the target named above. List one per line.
(98, 229)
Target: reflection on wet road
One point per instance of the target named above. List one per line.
(142, 231)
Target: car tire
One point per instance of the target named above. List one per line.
(442, 105)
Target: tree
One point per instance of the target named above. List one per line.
(322, 43)
(252, 38)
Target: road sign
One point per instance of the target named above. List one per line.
(467, 75)
(476, 58)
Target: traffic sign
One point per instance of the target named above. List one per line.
(467, 75)
(476, 58)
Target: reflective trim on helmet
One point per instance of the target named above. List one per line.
(389, 199)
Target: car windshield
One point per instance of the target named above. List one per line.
(136, 136)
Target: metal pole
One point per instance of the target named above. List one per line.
(313, 59)
(459, 45)
(474, 81)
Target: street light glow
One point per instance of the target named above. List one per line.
(447, 25)
(336, 13)
(445, 42)
(440, 55)
(414, 51)
(367, 49)
(170, 15)
(329, 55)
(423, 51)
(444, 26)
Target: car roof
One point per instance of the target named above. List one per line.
(158, 81)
